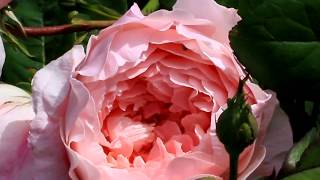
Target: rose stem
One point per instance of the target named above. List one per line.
(61, 29)
(233, 166)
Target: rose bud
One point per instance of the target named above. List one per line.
(237, 127)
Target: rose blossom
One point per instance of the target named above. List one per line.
(142, 102)
(16, 114)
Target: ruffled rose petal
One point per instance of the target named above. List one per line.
(223, 18)
(278, 142)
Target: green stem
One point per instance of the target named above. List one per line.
(77, 26)
(233, 166)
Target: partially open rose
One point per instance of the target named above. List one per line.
(142, 102)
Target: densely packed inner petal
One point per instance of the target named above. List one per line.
(164, 107)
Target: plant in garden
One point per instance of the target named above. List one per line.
(143, 100)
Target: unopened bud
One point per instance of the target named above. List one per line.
(236, 126)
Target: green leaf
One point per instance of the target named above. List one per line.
(229, 3)
(30, 14)
(310, 158)
(278, 43)
(33, 52)
(167, 4)
(296, 153)
(18, 68)
(97, 9)
(15, 41)
(20, 65)
(120, 6)
(14, 19)
(151, 6)
(307, 174)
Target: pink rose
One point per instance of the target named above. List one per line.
(16, 114)
(4, 3)
(142, 102)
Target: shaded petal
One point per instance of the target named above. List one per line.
(257, 159)
(2, 52)
(49, 91)
(278, 141)
(16, 114)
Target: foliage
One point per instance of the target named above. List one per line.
(278, 43)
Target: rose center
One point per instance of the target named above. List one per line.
(140, 120)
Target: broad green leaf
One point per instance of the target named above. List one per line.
(278, 43)
(18, 68)
(20, 65)
(34, 52)
(293, 160)
(310, 174)
(30, 14)
(13, 40)
(167, 4)
(151, 6)
(310, 157)
(14, 19)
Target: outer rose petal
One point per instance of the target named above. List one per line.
(2, 56)
(4, 3)
(49, 91)
(15, 116)
(278, 142)
(224, 18)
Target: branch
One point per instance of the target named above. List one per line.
(60, 29)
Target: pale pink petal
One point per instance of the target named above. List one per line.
(162, 20)
(185, 140)
(191, 165)
(167, 130)
(49, 91)
(13, 94)
(278, 141)
(223, 18)
(2, 52)
(174, 147)
(189, 122)
(158, 152)
(257, 159)
(132, 15)
(16, 114)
